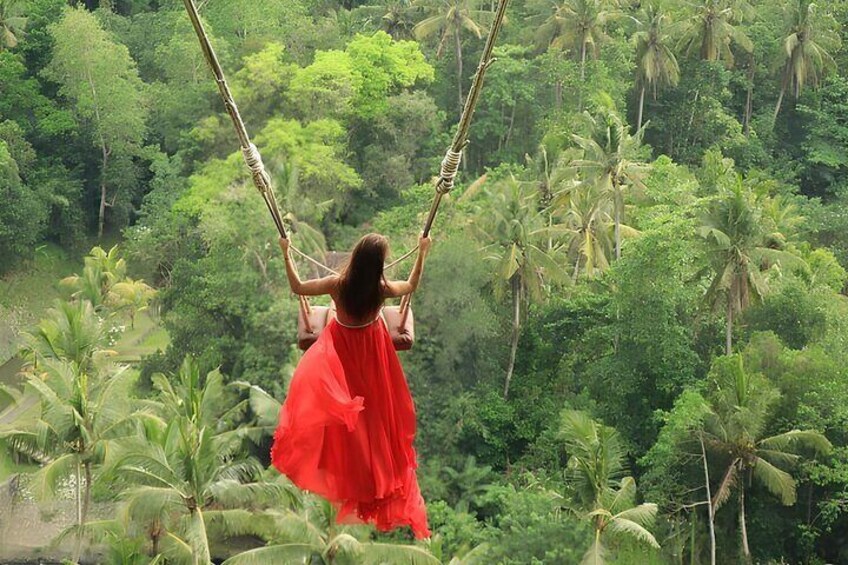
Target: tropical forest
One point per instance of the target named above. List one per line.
(631, 331)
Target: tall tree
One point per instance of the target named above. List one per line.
(12, 23)
(714, 28)
(586, 216)
(578, 27)
(447, 19)
(806, 46)
(98, 75)
(611, 161)
(515, 231)
(85, 403)
(23, 214)
(602, 490)
(740, 405)
(656, 64)
(737, 236)
(183, 468)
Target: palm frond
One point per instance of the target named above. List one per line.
(778, 482)
(289, 553)
(795, 439)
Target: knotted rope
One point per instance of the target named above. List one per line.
(253, 160)
(447, 173)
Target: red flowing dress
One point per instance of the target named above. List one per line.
(346, 429)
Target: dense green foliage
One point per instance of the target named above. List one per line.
(632, 332)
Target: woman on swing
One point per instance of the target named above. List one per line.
(348, 422)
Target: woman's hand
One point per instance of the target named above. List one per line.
(284, 245)
(424, 244)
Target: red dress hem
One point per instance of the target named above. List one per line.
(346, 430)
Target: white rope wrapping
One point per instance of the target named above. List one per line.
(253, 160)
(447, 174)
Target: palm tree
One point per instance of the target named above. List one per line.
(576, 26)
(805, 49)
(586, 217)
(601, 489)
(740, 404)
(102, 270)
(70, 332)
(448, 19)
(395, 17)
(133, 296)
(737, 236)
(610, 161)
(468, 483)
(713, 28)
(516, 230)
(84, 407)
(656, 65)
(182, 468)
(12, 23)
(297, 538)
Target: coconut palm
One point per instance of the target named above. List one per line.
(576, 26)
(182, 470)
(84, 407)
(341, 548)
(132, 296)
(656, 65)
(714, 28)
(102, 270)
(12, 23)
(601, 490)
(395, 17)
(448, 19)
(740, 404)
(468, 483)
(515, 230)
(737, 236)
(70, 332)
(805, 49)
(611, 161)
(586, 217)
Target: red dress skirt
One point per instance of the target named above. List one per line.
(346, 429)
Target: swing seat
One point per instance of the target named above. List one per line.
(311, 324)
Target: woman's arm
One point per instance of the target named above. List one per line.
(314, 287)
(401, 288)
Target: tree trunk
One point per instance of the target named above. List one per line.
(101, 217)
(779, 102)
(710, 510)
(155, 536)
(458, 47)
(693, 528)
(746, 551)
(511, 125)
(86, 501)
(641, 108)
(78, 493)
(617, 206)
(749, 101)
(582, 75)
(516, 328)
(558, 94)
(728, 332)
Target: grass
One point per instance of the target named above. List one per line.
(26, 293)
(145, 338)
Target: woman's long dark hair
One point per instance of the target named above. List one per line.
(360, 292)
